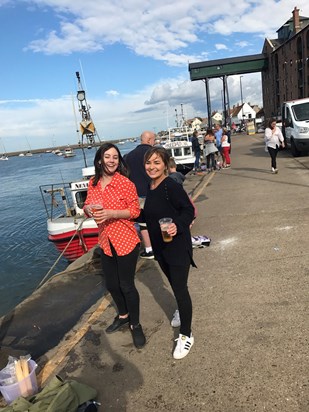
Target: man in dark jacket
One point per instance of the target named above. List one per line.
(196, 149)
(135, 163)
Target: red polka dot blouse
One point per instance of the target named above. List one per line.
(119, 194)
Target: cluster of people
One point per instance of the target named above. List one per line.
(216, 149)
(141, 189)
(217, 146)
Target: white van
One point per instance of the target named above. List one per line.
(295, 125)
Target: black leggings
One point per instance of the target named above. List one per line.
(119, 274)
(210, 159)
(178, 279)
(273, 154)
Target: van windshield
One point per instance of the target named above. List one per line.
(301, 111)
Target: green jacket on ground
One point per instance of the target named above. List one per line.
(57, 396)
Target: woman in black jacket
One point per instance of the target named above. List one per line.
(166, 198)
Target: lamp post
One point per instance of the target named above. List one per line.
(241, 97)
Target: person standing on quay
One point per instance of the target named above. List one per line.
(218, 134)
(113, 203)
(209, 150)
(273, 140)
(167, 198)
(225, 149)
(137, 174)
(197, 150)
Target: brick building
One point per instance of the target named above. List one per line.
(287, 75)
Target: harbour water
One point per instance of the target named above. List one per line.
(26, 255)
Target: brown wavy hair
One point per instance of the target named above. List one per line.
(100, 167)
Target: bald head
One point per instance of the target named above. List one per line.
(148, 137)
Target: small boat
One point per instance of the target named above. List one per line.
(72, 233)
(68, 152)
(28, 154)
(21, 155)
(4, 156)
(178, 143)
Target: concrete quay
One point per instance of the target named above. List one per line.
(250, 302)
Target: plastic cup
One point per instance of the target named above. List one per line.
(26, 387)
(95, 208)
(164, 225)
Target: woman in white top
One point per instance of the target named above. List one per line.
(273, 140)
(225, 145)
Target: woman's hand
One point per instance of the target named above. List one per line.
(172, 230)
(103, 215)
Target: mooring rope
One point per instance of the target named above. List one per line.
(62, 253)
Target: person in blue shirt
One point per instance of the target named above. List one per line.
(218, 134)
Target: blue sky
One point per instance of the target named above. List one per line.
(133, 56)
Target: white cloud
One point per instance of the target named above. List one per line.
(157, 29)
(113, 93)
(220, 46)
(242, 44)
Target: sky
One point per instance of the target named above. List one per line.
(133, 58)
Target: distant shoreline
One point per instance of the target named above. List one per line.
(61, 148)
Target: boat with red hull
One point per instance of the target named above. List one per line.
(68, 228)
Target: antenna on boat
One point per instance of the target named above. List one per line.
(182, 116)
(176, 115)
(87, 128)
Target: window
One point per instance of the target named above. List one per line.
(80, 198)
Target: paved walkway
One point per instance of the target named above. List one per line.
(250, 299)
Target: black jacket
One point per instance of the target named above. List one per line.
(169, 199)
(137, 174)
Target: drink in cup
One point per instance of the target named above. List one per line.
(95, 208)
(164, 225)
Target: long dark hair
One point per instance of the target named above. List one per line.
(270, 121)
(160, 151)
(100, 167)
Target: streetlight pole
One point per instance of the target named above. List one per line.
(242, 100)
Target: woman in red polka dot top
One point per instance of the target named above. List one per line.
(113, 202)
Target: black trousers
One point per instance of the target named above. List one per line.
(273, 155)
(119, 274)
(178, 279)
(210, 159)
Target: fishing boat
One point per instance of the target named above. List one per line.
(68, 152)
(178, 142)
(179, 145)
(72, 233)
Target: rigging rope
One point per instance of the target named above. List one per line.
(62, 253)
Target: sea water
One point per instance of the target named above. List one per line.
(26, 255)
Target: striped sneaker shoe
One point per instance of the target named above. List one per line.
(183, 346)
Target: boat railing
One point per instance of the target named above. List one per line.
(57, 200)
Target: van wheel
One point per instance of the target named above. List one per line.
(295, 152)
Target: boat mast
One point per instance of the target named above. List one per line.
(87, 128)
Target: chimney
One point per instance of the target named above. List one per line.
(296, 20)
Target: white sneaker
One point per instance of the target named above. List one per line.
(196, 242)
(184, 344)
(273, 170)
(175, 322)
